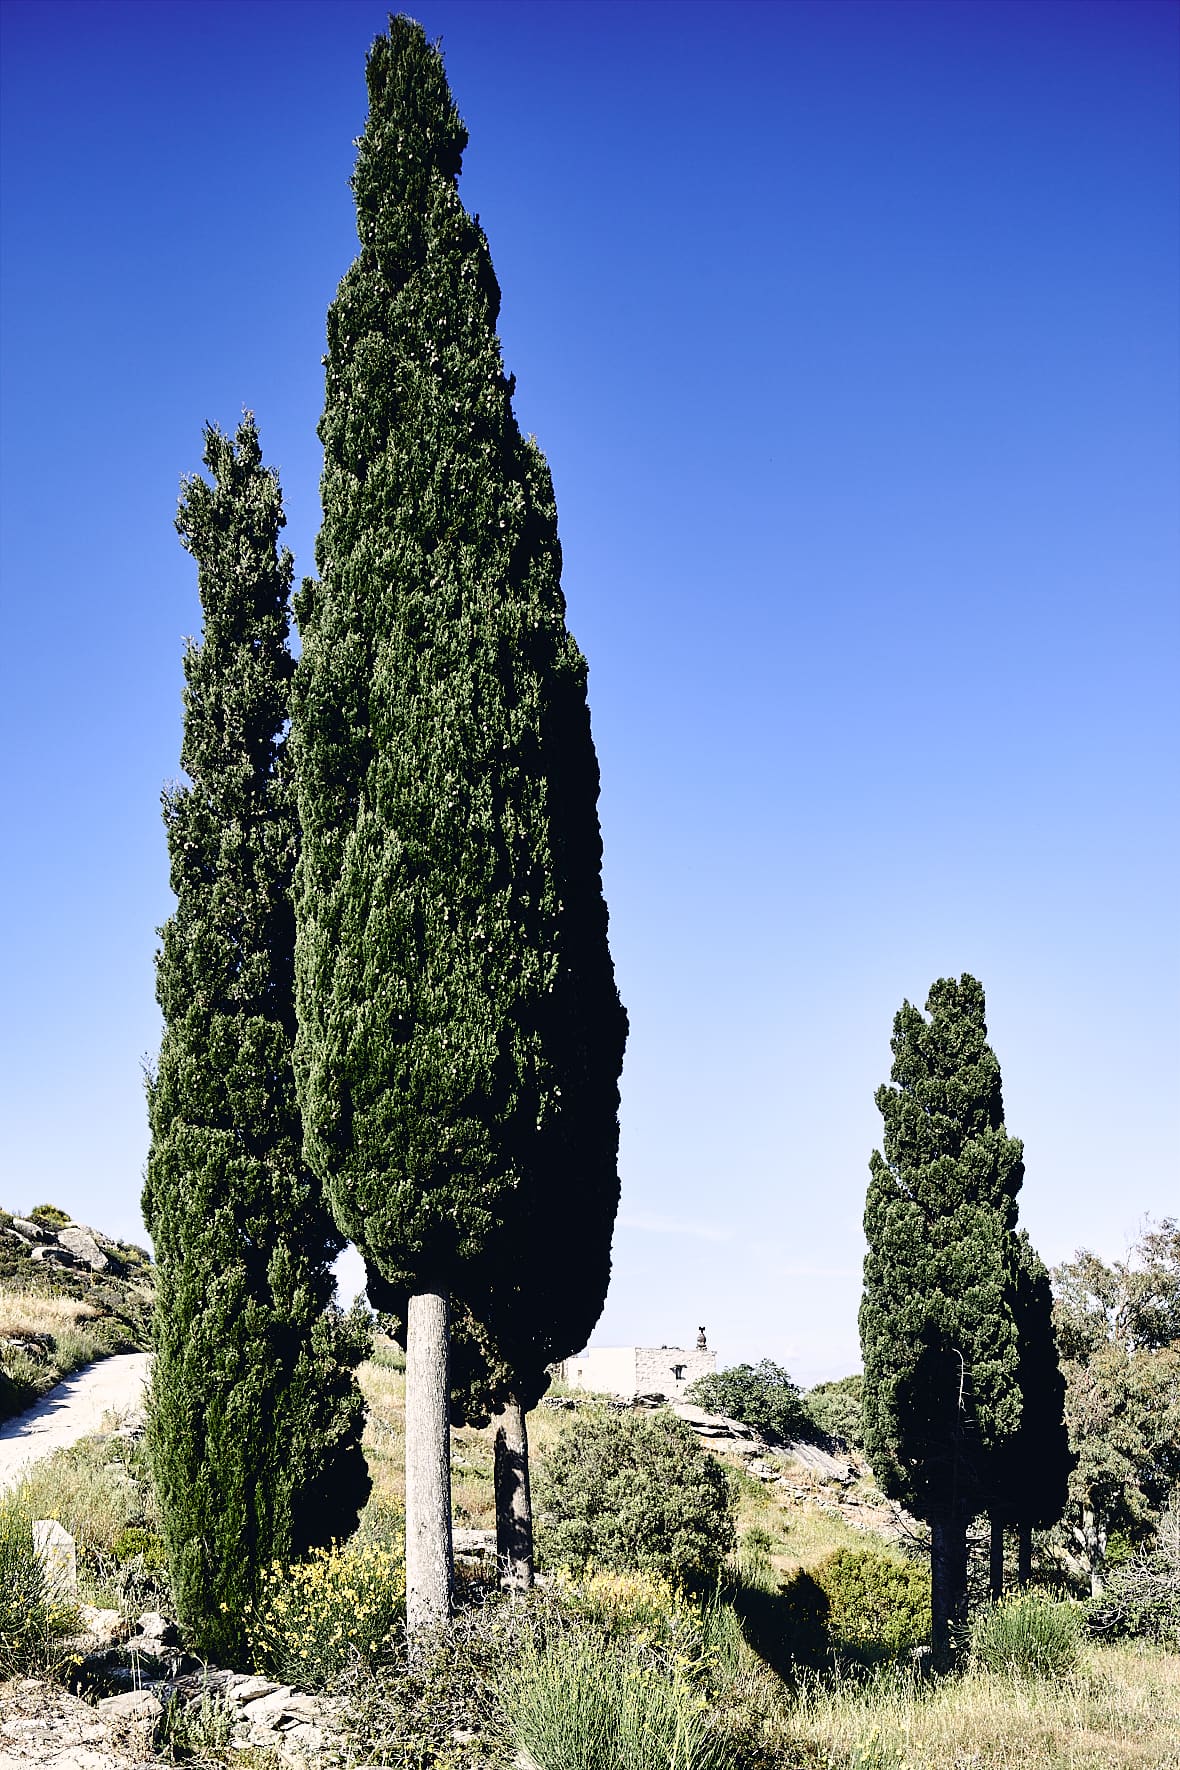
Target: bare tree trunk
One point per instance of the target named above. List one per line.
(1024, 1554)
(514, 1506)
(429, 1563)
(1092, 1537)
(996, 1561)
(948, 1585)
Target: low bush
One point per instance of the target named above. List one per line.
(635, 1491)
(787, 1626)
(35, 1626)
(1142, 1599)
(1027, 1635)
(408, 1712)
(49, 1216)
(835, 1410)
(341, 1606)
(878, 1605)
(580, 1703)
(760, 1395)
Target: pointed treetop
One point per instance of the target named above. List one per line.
(414, 131)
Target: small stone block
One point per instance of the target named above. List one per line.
(58, 1554)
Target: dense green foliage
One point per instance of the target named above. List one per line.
(878, 1605)
(450, 878)
(460, 1033)
(761, 1395)
(255, 1417)
(1119, 1330)
(635, 1490)
(940, 1342)
(1028, 1472)
(836, 1409)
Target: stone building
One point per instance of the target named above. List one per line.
(628, 1371)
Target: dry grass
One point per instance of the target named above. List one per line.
(24, 1313)
(383, 1383)
(1121, 1711)
(801, 1533)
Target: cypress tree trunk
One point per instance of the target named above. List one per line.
(514, 1507)
(1024, 1554)
(948, 1585)
(428, 1463)
(996, 1559)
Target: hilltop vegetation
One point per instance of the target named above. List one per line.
(68, 1295)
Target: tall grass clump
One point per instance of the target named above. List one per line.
(35, 1626)
(582, 1703)
(1028, 1635)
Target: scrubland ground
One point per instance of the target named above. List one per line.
(1118, 1708)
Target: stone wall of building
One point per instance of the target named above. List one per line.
(668, 1370)
(627, 1371)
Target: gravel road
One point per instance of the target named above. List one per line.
(72, 1411)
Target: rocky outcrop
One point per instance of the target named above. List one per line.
(82, 1243)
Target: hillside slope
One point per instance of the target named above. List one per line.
(68, 1295)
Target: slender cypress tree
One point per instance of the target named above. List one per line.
(255, 1417)
(460, 1034)
(1028, 1473)
(940, 1343)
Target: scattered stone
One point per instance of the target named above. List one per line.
(102, 1626)
(154, 1627)
(132, 1705)
(249, 1688)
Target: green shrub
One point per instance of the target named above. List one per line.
(878, 1605)
(635, 1492)
(34, 1626)
(584, 1704)
(786, 1626)
(1027, 1635)
(760, 1395)
(197, 1728)
(835, 1410)
(341, 1606)
(135, 1541)
(49, 1216)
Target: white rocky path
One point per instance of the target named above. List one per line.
(73, 1410)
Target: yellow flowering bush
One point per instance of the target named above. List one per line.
(341, 1606)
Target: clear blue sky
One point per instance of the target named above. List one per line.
(850, 332)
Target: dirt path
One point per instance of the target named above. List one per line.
(72, 1411)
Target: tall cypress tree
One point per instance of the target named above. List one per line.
(1028, 1473)
(255, 1417)
(940, 1344)
(460, 1035)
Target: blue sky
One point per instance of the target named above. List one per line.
(850, 334)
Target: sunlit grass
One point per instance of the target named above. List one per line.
(27, 1312)
(1120, 1711)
